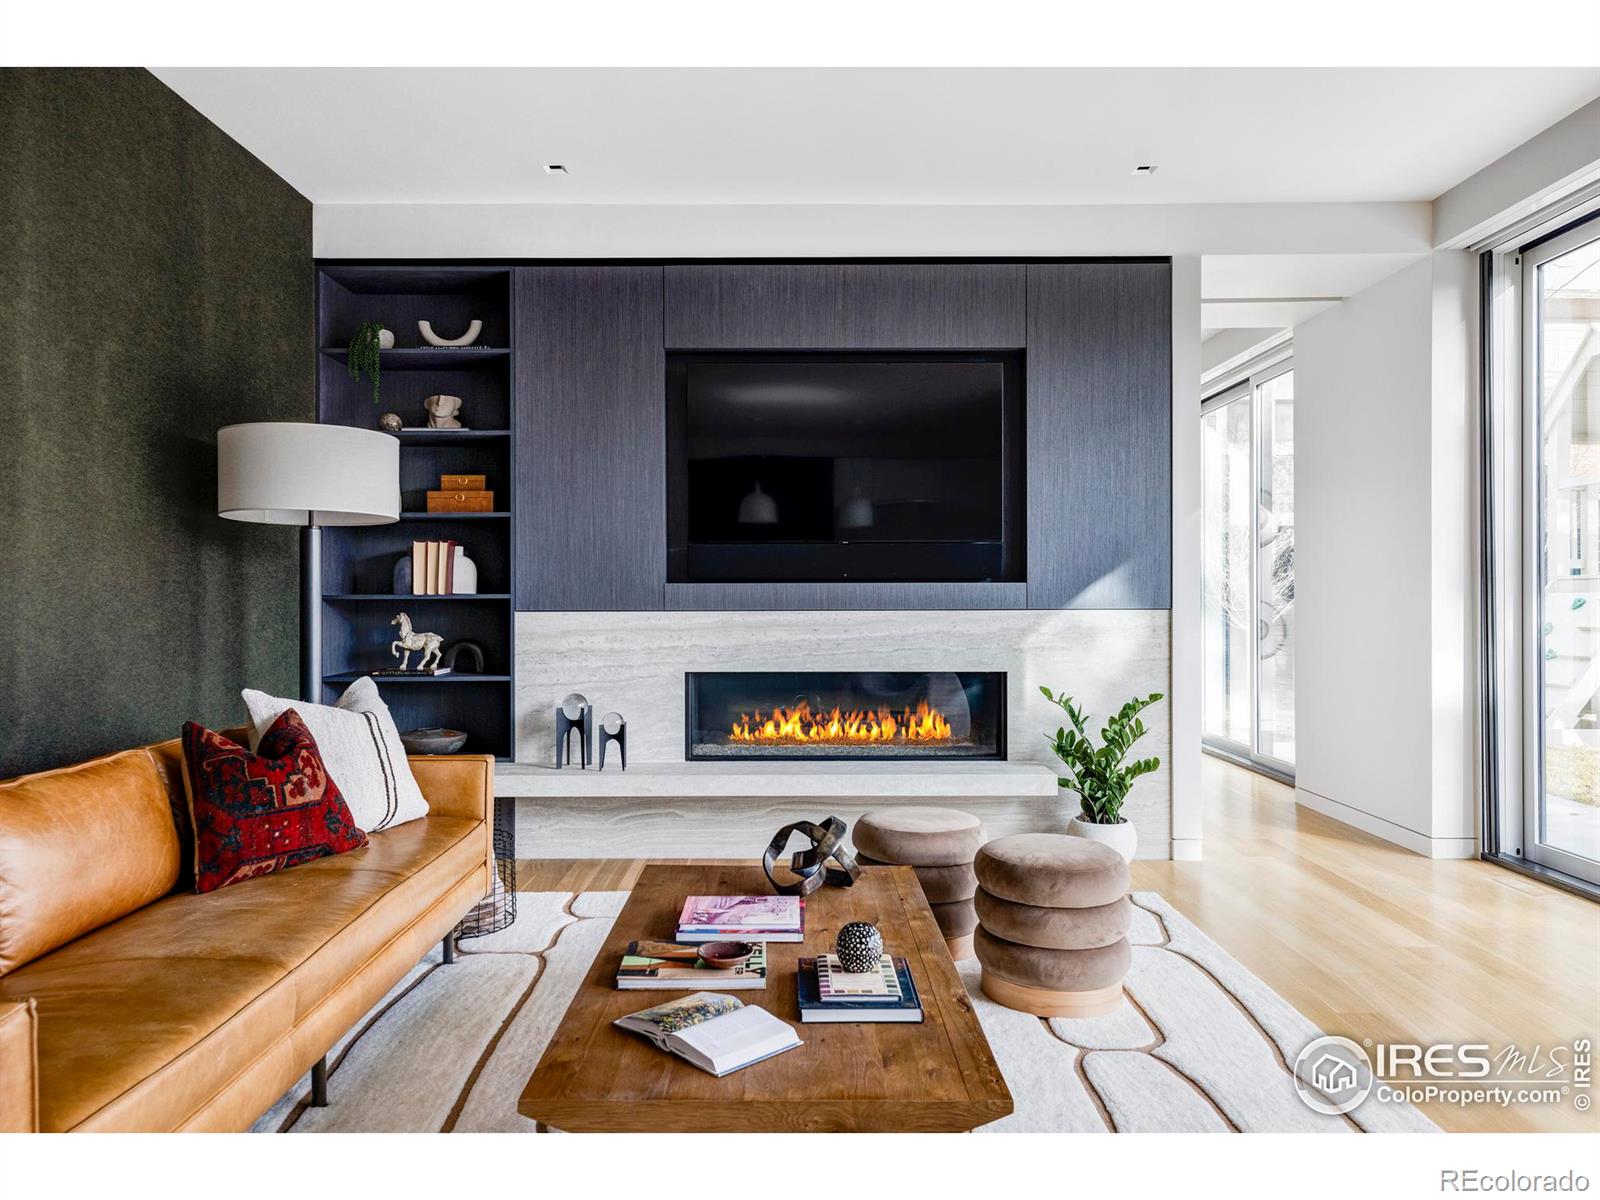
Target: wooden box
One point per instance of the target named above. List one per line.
(461, 501)
(463, 483)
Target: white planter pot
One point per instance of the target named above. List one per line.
(385, 339)
(1122, 837)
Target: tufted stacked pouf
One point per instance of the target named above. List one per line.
(1053, 915)
(939, 843)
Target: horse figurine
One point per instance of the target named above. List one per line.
(429, 643)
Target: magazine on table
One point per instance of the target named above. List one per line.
(717, 1033)
(743, 918)
(678, 965)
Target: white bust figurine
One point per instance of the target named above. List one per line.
(442, 412)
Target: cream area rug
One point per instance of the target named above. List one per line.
(1199, 1044)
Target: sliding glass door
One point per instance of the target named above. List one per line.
(1247, 477)
(1561, 389)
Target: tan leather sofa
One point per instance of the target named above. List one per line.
(129, 1004)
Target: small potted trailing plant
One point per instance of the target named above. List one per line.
(370, 338)
(1100, 775)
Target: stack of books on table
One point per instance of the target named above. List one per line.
(742, 919)
(655, 965)
(829, 994)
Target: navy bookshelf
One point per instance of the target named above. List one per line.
(358, 598)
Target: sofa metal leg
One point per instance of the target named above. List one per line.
(449, 948)
(319, 1083)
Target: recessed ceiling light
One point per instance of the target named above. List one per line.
(554, 169)
(1147, 169)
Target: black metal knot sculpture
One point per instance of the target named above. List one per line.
(811, 865)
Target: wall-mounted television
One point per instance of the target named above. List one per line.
(867, 467)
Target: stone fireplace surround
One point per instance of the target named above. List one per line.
(634, 663)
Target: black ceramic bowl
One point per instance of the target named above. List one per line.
(433, 741)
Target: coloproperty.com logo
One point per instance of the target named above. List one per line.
(1335, 1075)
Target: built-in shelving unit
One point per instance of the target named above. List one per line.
(358, 597)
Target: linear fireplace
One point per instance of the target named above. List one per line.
(763, 715)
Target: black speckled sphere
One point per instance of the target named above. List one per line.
(859, 947)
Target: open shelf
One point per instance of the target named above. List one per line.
(427, 357)
(403, 596)
(450, 516)
(453, 677)
(449, 437)
(358, 562)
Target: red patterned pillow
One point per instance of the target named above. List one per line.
(263, 812)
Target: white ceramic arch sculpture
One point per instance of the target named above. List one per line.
(433, 339)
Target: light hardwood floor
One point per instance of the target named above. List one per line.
(1366, 939)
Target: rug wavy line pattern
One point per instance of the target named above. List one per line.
(1199, 1045)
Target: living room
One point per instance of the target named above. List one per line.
(1000, 594)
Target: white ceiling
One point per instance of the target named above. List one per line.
(879, 136)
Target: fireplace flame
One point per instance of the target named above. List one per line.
(799, 724)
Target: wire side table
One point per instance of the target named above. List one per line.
(498, 909)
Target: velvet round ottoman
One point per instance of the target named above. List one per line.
(1053, 915)
(939, 844)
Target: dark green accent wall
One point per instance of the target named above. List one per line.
(155, 284)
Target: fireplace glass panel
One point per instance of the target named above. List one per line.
(744, 715)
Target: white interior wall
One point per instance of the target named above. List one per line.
(1186, 693)
(1382, 550)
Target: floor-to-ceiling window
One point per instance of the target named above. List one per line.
(1542, 653)
(1247, 477)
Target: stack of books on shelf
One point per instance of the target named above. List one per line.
(829, 994)
(742, 919)
(433, 568)
(655, 965)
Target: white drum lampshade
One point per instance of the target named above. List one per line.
(285, 473)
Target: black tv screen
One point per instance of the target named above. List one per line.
(847, 467)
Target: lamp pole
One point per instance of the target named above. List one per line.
(311, 612)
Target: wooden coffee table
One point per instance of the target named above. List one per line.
(938, 1076)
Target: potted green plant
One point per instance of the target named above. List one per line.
(1101, 775)
(370, 339)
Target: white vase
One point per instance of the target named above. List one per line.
(1121, 837)
(466, 576)
(385, 339)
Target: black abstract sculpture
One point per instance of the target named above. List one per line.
(471, 649)
(811, 865)
(574, 715)
(613, 729)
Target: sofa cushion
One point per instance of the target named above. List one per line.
(255, 814)
(79, 847)
(361, 747)
(177, 999)
(19, 1070)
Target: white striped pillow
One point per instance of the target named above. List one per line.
(360, 747)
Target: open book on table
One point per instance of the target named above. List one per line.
(717, 1033)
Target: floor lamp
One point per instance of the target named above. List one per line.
(284, 473)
